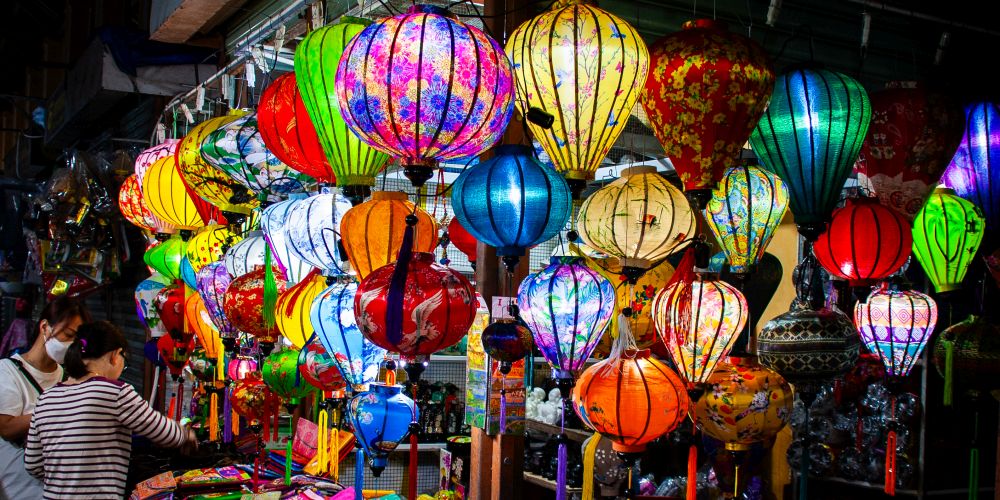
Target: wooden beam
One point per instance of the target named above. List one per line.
(177, 21)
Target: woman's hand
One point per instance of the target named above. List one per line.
(190, 442)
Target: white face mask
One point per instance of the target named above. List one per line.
(56, 349)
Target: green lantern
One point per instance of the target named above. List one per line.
(281, 374)
(810, 136)
(354, 163)
(946, 235)
(165, 257)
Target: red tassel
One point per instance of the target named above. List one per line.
(173, 406)
(413, 465)
(692, 483)
(890, 463)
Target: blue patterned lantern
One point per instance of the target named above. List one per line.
(244, 256)
(381, 419)
(511, 201)
(272, 221)
(332, 316)
(313, 228)
(974, 172)
(145, 292)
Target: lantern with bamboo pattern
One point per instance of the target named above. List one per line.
(896, 325)
(209, 244)
(372, 232)
(947, 233)
(332, 315)
(208, 182)
(272, 221)
(865, 242)
(974, 172)
(168, 198)
(313, 228)
(292, 316)
(288, 132)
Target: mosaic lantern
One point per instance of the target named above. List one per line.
(381, 420)
(313, 228)
(244, 305)
(974, 172)
(318, 368)
(165, 257)
(332, 316)
(272, 221)
(209, 244)
(896, 325)
(372, 232)
(947, 233)
(288, 132)
(292, 316)
(280, 372)
(246, 254)
(865, 242)
(208, 182)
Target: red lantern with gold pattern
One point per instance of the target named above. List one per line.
(288, 132)
(244, 304)
(865, 242)
(252, 399)
(174, 353)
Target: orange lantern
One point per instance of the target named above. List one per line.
(294, 305)
(200, 322)
(373, 231)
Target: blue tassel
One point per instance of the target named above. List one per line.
(397, 285)
(359, 473)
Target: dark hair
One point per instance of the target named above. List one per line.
(93, 340)
(60, 309)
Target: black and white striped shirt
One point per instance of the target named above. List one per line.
(80, 439)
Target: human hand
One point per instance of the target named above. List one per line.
(190, 444)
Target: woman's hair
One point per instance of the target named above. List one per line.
(93, 340)
(61, 308)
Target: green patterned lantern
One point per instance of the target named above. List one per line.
(354, 163)
(281, 374)
(165, 257)
(946, 235)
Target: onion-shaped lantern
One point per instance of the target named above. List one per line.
(585, 68)
(511, 202)
(170, 306)
(319, 369)
(706, 90)
(145, 303)
(865, 242)
(743, 213)
(947, 233)
(639, 218)
(507, 341)
(811, 107)
(287, 130)
(208, 182)
(463, 240)
(292, 316)
(209, 244)
(168, 198)
(133, 208)
(354, 163)
(280, 371)
(213, 281)
(372, 232)
(240, 366)
(332, 315)
(245, 309)
(896, 325)
(165, 257)
(425, 87)
(381, 419)
(148, 156)
(246, 254)
(272, 221)
(313, 228)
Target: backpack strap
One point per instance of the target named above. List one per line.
(31, 380)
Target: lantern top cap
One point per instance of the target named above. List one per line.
(513, 149)
(383, 388)
(430, 9)
(944, 190)
(711, 24)
(388, 195)
(561, 4)
(255, 233)
(643, 169)
(565, 259)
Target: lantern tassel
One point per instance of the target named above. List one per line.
(589, 452)
(503, 405)
(270, 290)
(322, 439)
(213, 417)
(890, 463)
(359, 473)
(333, 456)
(227, 419)
(623, 343)
(561, 471)
(949, 370)
(288, 461)
(394, 298)
(973, 473)
(692, 476)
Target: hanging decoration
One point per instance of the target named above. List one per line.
(208, 182)
(280, 372)
(246, 254)
(810, 107)
(148, 156)
(209, 244)
(240, 366)
(381, 420)
(272, 221)
(252, 399)
(332, 315)
(865, 242)
(318, 368)
(170, 307)
(947, 233)
(288, 132)
(637, 298)
(508, 341)
(706, 90)
(165, 257)
(145, 303)
(132, 207)
(579, 70)
(245, 306)
(175, 353)
(372, 232)
(967, 355)
(463, 240)
(425, 87)
(200, 322)
(895, 325)
(213, 281)
(168, 198)
(313, 228)
(974, 172)
(292, 316)
(202, 366)
(188, 276)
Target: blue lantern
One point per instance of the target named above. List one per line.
(974, 172)
(272, 221)
(511, 201)
(332, 316)
(187, 273)
(313, 228)
(381, 419)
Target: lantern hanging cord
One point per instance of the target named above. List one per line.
(799, 31)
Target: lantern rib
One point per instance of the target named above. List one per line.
(559, 108)
(388, 89)
(829, 174)
(489, 204)
(642, 221)
(751, 252)
(678, 416)
(548, 206)
(703, 376)
(325, 139)
(597, 92)
(801, 188)
(576, 318)
(521, 204)
(552, 319)
(418, 151)
(364, 88)
(673, 209)
(649, 403)
(581, 159)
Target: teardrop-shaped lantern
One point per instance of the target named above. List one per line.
(332, 315)
(175, 354)
(381, 419)
(373, 231)
(168, 198)
(896, 325)
(245, 255)
(706, 90)
(169, 305)
(133, 208)
(810, 107)
(865, 242)
(200, 322)
(585, 67)
(292, 316)
(208, 182)
(425, 87)
(280, 371)
(947, 233)
(209, 244)
(165, 257)
(272, 222)
(213, 281)
(244, 305)
(288, 132)
(974, 172)
(313, 228)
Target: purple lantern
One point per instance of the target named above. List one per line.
(213, 280)
(974, 172)
(895, 326)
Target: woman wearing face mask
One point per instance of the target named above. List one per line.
(23, 377)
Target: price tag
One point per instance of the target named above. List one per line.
(199, 98)
(161, 133)
(187, 113)
(251, 75)
(501, 307)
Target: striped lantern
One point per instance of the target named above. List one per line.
(272, 222)
(896, 325)
(287, 130)
(865, 242)
(133, 208)
(244, 256)
(168, 198)
(292, 316)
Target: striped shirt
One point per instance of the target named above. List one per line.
(80, 439)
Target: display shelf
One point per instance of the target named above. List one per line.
(860, 484)
(573, 434)
(546, 483)
(423, 447)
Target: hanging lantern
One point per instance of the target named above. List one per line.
(631, 400)
(208, 182)
(637, 298)
(895, 325)
(240, 366)
(145, 303)
(706, 90)
(913, 135)
(381, 419)
(372, 232)
(811, 107)
(865, 242)
(579, 69)
(975, 355)
(188, 276)
(280, 371)
(639, 218)
(169, 305)
(947, 233)
(168, 198)
(425, 87)
(313, 228)
(245, 309)
(272, 221)
(148, 156)
(202, 365)
(317, 57)
(288, 132)
(252, 399)
(213, 281)
(245, 255)
(699, 321)
(200, 322)
(332, 315)
(511, 202)
(318, 368)
(165, 257)
(507, 341)
(132, 207)
(743, 213)
(464, 241)
(175, 353)
(209, 244)
(758, 288)
(292, 316)
(238, 150)
(974, 172)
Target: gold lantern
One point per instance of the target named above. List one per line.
(168, 198)
(372, 232)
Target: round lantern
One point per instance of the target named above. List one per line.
(568, 307)
(168, 198)
(974, 172)
(313, 228)
(381, 419)
(209, 244)
(699, 322)
(511, 202)
(464, 241)
(202, 365)
(507, 341)
(913, 135)
(145, 303)
(865, 242)
(372, 232)
(947, 233)
(332, 316)
(245, 255)
(434, 312)
(148, 156)
(165, 257)
(240, 366)
(280, 371)
(975, 353)
(585, 68)
(317, 57)
(292, 316)
(272, 221)
(743, 213)
(208, 182)
(639, 218)
(244, 305)
(213, 281)
(745, 403)
(200, 322)
(252, 399)
(896, 325)
(169, 305)
(425, 87)
(287, 130)
(318, 368)
(631, 400)
(702, 112)
(811, 107)
(132, 207)
(238, 150)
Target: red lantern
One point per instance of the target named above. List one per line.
(288, 132)
(319, 369)
(169, 303)
(244, 305)
(865, 242)
(463, 241)
(174, 353)
(252, 400)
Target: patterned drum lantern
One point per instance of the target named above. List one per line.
(281, 374)
(896, 325)
(244, 305)
(865, 242)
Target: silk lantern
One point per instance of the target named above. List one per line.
(896, 325)
(272, 221)
(811, 107)
(354, 163)
(252, 399)
(244, 305)
(585, 67)
(175, 354)
(202, 366)
(240, 366)
(313, 228)
(132, 208)
(865, 242)
(213, 281)
(208, 182)
(706, 90)
(974, 172)
(506, 341)
(511, 202)
(462, 239)
(165, 257)
(332, 315)
(246, 254)
(381, 419)
(318, 368)
(292, 316)
(150, 155)
(200, 322)
(280, 371)
(209, 244)
(168, 198)
(743, 213)
(145, 305)
(947, 233)
(188, 276)
(169, 305)
(913, 134)
(372, 232)
(288, 132)
(425, 87)
(639, 218)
